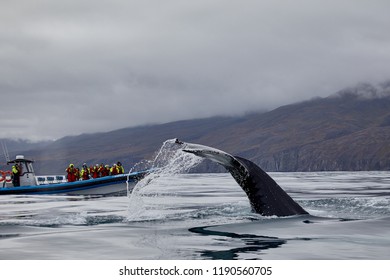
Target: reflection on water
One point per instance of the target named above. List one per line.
(252, 243)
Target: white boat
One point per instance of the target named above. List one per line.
(57, 184)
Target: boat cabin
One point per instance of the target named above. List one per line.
(27, 174)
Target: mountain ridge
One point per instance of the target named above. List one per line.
(349, 130)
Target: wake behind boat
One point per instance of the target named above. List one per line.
(33, 184)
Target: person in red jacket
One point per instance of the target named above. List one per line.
(94, 170)
(71, 173)
(114, 170)
(84, 173)
(104, 170)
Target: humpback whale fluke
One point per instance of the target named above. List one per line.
(265, 195)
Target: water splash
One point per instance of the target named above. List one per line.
(169, 161)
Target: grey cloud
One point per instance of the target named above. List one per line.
(86, 66)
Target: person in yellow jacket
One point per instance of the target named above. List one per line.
(84, 173)
(120, 168)
(16, 171)
(114, 170)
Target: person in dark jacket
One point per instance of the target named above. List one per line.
(16, 171)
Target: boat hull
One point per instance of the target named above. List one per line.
(110, 185)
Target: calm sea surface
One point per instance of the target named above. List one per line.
(204, 216)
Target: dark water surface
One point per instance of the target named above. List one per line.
(204, 216)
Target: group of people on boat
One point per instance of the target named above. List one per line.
(92, 172)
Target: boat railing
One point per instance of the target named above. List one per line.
(50, 179)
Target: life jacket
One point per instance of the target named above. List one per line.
(71, 174)
(104, 171)
(114, 170)
(120, 168)
(77, 173)
(95, 172)
(15, 170)
(84, 174)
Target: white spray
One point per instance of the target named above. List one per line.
(170, 160)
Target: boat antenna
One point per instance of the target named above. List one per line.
(5, 150)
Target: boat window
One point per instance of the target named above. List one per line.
(30, 167)
(27, 168)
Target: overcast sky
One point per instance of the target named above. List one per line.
(74, 66)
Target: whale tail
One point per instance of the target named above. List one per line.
(265, 195)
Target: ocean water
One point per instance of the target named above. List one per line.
(204, 216)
